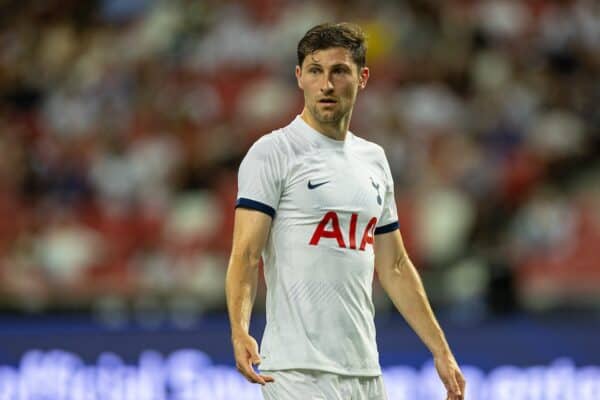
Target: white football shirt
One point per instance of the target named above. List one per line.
(328, 198)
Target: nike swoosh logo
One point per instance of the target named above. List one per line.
(316, 185)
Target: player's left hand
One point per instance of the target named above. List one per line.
(451, 376)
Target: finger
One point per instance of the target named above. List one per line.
(245, 368)
(254, 356)
(453, 387)
(252, 373)
(244, 373)
(258, 378)
(461, 382)
(253, 377)
(268, 378)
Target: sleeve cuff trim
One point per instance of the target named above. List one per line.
(387, 228)
(255, 205)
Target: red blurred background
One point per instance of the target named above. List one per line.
(122, 124)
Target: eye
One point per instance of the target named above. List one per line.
(340, 70)
(314, 70)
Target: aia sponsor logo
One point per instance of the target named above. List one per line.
(329, 228)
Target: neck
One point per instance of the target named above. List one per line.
(334, 130)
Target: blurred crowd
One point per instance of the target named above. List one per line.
(123, 122)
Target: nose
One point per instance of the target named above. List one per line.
(327, 86)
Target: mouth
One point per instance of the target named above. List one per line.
(327, 101)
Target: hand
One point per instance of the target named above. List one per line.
(245, 350)
(451, 376)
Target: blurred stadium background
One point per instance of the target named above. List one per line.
(123, 122)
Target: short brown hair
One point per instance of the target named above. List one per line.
(327, 35)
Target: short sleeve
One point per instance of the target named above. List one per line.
(388, 221)
(260, 177)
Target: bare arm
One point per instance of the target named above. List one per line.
(402, 283)
(249, 238)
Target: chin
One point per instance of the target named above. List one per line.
(328, 117)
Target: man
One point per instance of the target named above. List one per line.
(318, 203)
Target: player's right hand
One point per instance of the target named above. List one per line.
(245, 350)
(451, 376)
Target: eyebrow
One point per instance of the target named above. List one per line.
(337, 65)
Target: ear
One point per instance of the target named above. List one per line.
(363, 77)
(299, 76)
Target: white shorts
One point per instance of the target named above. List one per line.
(302, 384)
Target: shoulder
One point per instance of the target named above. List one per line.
(370, 149)
(267, 143)
(374, 154)
(271, 145)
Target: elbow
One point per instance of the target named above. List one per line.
(247, 257)
(401, 263)
(390, 272)
(254, 260)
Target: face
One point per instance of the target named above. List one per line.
(330, 80)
